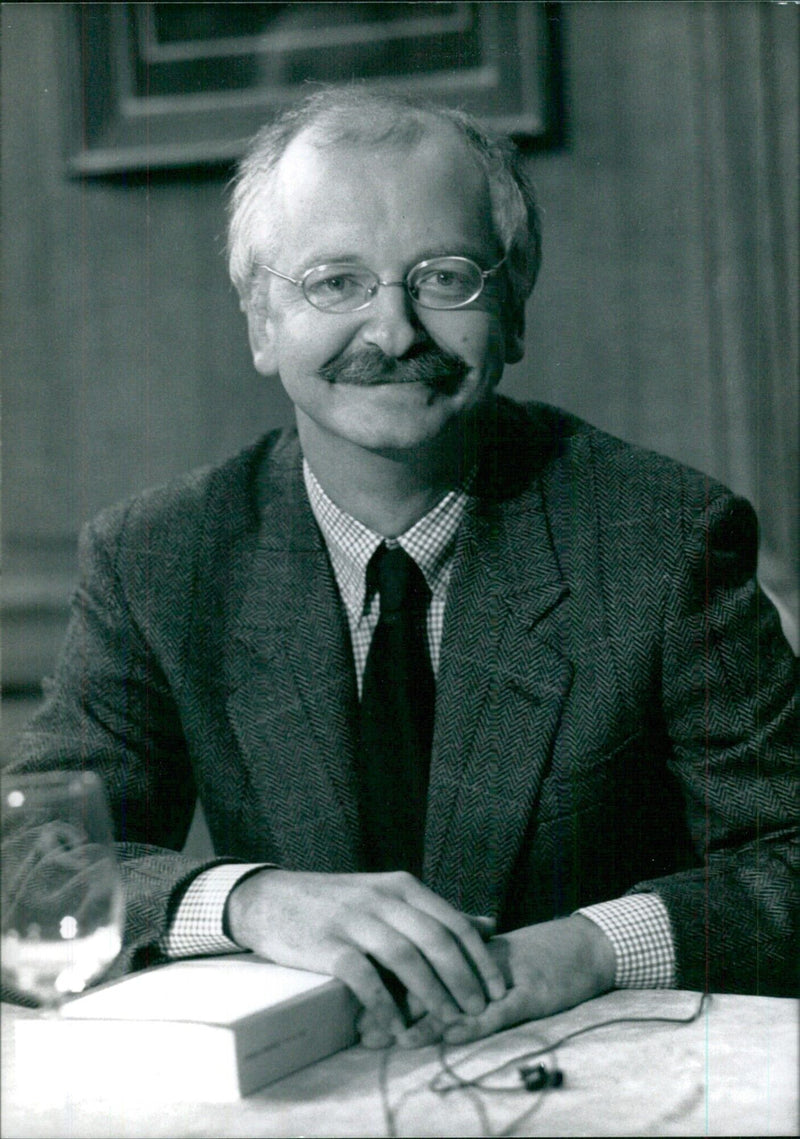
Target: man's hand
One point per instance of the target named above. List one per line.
(548, 967)
(352, 925)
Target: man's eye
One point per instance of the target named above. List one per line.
(443, 280)
(336, 284)
(335, 287)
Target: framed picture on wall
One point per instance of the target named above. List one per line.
(169, 85)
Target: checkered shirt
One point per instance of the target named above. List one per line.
(430, 542)
(640, 931)
(637, 925)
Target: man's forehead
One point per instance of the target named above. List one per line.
(440, 155)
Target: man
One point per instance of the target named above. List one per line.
(605, 799)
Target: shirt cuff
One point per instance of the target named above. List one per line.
(197, 926)
(640, 931)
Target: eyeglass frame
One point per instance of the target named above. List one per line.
(299, 282)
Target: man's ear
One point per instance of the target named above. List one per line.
(262, 341)
(515, 336)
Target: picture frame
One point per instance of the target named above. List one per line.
(159, 86)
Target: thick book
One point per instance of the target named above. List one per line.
(212, 1029)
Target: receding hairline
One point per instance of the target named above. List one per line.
(317, 139)
(390, 124)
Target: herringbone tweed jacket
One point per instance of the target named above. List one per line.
(613, 709)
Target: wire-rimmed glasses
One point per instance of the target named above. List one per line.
(437, 283)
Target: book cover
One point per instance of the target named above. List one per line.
(213, 1029)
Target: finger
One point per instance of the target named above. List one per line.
(426, 1031)
(397, 991)
(451, 963)
(448, 955)
(415, 1009)
(362, 978)
(498, 1015)
(407, 951)
(467, 929)
(372, 947)
(371, 1034)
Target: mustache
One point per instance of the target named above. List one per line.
(425, 363)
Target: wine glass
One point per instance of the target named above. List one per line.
(63, 907)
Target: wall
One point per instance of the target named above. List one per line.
(664, 313)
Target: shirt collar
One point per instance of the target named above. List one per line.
(351, 544)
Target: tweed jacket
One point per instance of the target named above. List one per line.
(614, 710)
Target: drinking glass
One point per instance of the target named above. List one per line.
(63, 908)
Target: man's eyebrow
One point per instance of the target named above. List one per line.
(324, 258)
(427, 254)
(457, 250)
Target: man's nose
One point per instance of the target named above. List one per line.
(391, 322)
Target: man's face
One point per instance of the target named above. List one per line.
(385, 210)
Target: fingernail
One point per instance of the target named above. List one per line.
(484, 924)
(448, 1014)
(497, 988)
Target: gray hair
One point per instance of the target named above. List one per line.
(357, 115)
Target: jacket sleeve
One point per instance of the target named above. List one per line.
(110, 708)
(729, 683)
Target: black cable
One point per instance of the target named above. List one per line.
(534, 1054)
(447, 1071)
(390, 1113)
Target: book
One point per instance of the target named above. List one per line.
(211, 1029)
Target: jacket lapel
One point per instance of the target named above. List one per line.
(292, 694)
(292, 700)
(502, 684)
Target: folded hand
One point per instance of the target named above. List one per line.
(547, 967)
(359, 926)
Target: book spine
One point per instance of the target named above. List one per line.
(305, 1029)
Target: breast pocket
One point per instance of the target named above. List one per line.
(577, 783)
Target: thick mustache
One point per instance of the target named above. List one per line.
(427, 364)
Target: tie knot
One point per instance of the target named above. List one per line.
(398, 579)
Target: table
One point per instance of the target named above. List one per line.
(734, 1071)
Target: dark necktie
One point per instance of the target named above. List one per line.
(396, 716)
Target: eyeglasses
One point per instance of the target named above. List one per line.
(439, 283)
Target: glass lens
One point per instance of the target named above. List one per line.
(62, 902)
(445, 282)
(339, 288)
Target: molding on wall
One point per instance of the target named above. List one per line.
(38, 581)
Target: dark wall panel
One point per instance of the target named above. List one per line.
(665, 311)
